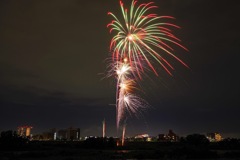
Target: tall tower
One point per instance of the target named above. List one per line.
(104, 128)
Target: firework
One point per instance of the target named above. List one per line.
(141, 38)
(140, 35)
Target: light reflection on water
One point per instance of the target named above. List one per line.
(123, 151)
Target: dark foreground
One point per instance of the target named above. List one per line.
(40, 150)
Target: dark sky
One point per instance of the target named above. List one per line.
(52, 61)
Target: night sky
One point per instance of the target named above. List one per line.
(53, 62)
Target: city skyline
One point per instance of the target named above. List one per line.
(74, 134)
(52, 65)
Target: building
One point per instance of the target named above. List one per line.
(214, 137)
(141, 137)
(161, 137)
(170, 136)
(68, 134)
(73, 134)
(62, 134)
(24, 131)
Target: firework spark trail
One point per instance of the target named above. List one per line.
(123, 134)
(124, 83)
(141, 38)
